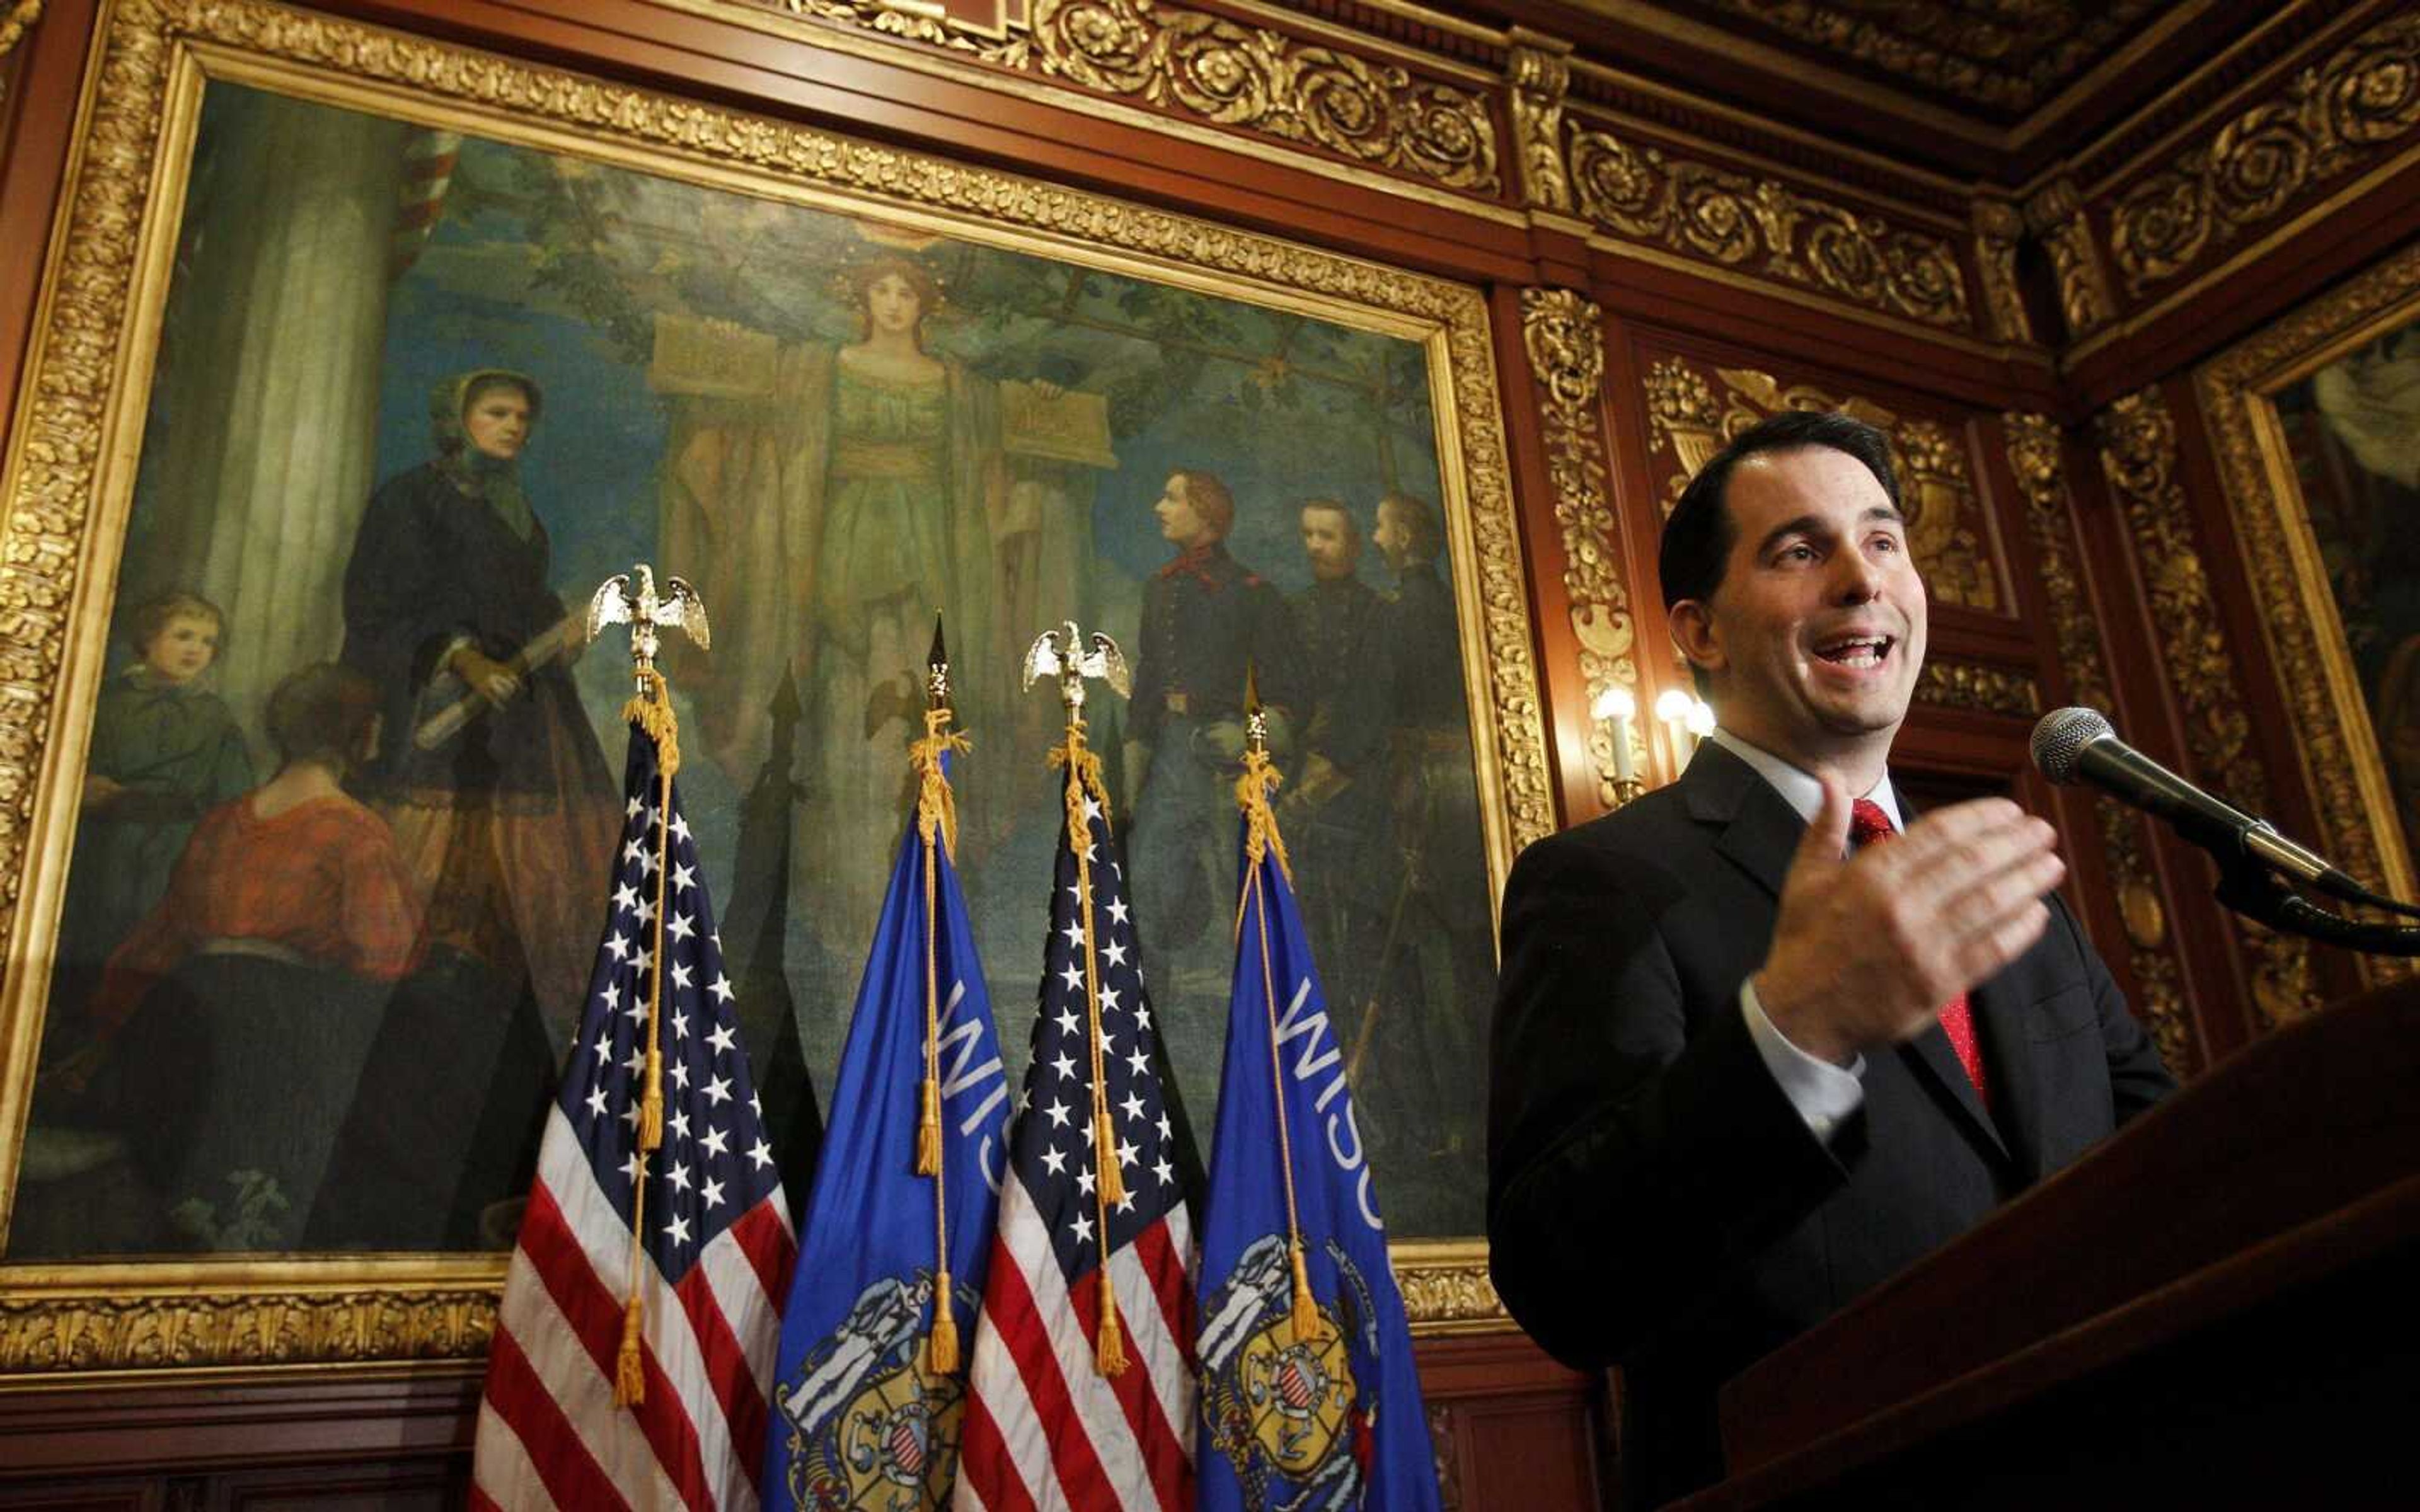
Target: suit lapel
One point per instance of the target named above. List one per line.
(1759, 829)
(1935, 1056)
(1935, 1060)
(2008, 1060)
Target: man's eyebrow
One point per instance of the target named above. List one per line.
(1812, 524)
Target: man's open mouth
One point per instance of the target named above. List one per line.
(1856, 650)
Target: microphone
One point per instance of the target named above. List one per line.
(2075, 744)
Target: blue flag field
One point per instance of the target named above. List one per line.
(868, 1401)
(1310, 1398)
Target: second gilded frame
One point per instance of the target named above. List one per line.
(2312, 421)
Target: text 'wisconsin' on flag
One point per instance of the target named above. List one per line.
(870, 1396)
(1309, 1397)
(632, 1360)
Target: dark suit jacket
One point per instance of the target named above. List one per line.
(1653, 1198)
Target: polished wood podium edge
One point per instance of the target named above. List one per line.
(2310, 1121)
(2268, 1272)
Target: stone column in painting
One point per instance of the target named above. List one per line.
(264, 420)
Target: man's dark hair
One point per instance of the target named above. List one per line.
(1699, 536)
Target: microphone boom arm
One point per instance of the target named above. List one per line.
(2248, 887)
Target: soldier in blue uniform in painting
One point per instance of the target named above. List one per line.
(1437, 954)
(1205, 618)
(1334, 807)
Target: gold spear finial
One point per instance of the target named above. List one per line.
(937, 669)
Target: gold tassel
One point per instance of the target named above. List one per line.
(629, 1379)
(942, 1351)
(651, 1102)
(1105, 1140)
(928, 1130)
(1305, 1307)
(652, 711)
(1261, 836)
(1109, 1344)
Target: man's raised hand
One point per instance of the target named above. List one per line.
(1868, 948)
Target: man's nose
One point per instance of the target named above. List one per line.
(1855, 578)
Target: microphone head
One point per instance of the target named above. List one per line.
(2061, 735)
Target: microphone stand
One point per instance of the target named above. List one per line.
(2250, 888)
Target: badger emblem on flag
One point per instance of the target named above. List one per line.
(873, 1428)
(1283, 1408)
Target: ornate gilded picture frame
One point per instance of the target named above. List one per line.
(127, 402)
(2316, 422)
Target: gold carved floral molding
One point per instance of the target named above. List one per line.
(2055, 214)
(1998, 227)
(2346, 113)
(156, 1329)
(16, 22)
(1205, 67)
(1539, 76)
(2138, 455)
(75, 434)
(1193, 67)
(1979, 687)
(2338, 742)
(2035, 459)
(1447, 1289)
(1765, 226)
(1690, 416)
(1563, 335)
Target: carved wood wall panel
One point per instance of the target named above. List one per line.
(1695, 404)
(2356, 107)
(2036, 459)
(2206, 675)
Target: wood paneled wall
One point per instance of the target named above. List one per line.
(1657, 268)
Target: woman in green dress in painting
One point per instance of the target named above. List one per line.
(829, 501)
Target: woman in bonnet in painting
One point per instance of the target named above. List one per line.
(487, 769)
(503, 810)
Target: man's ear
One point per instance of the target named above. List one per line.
(1693, 632)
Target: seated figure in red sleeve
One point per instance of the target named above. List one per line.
(243, 1005)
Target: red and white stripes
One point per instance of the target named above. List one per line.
(550, 1433)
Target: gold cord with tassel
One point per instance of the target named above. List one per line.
(937, 822)
(651, 710)
(1110, 1342)
(1084, 769)
(937, 825)
(1261, 841)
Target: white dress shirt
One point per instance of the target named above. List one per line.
(1823, 1093)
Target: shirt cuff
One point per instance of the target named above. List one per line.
(1823, 1093)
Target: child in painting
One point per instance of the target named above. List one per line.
(164, 751)
(244, 1003)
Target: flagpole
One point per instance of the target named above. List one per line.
(1061, 651)
(1262, 840)
(650, 708)
(937, 825)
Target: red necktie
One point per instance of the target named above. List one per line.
(1868, 824)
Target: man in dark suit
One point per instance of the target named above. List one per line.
(1741, 1071)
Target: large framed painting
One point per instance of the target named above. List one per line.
(364, 359)
(2316, 425)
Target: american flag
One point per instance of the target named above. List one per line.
(1046, 1424)
(715, 1241)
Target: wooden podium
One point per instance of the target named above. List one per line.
(2220, 1307)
